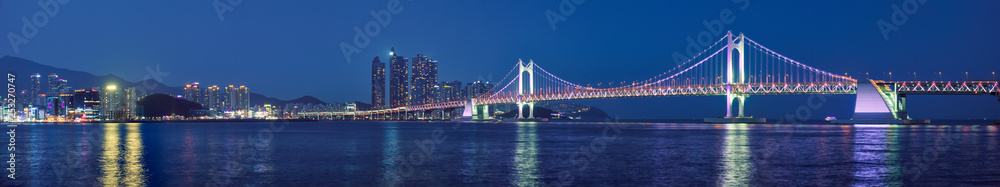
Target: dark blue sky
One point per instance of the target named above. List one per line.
(289, 49)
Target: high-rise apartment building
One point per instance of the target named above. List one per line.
(242, 98)
(192, 92)
(87, 101)
(423, 79)
(36, 89)
(235, 98)
(449, 91)
(398, 87)
(53, 83)
(213, 98)
(378, 84)
(118, 103)
(478, 89)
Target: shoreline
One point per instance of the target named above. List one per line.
(182, 121)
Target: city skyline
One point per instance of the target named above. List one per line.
(468, 52)
(109, 101)
(501, 93)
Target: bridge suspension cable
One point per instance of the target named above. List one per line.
(707, 71)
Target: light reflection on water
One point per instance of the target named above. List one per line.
(391, 156)
(111, 155)
(122, 167)
(736, 166)
(512, 154)
(526, 156)
(135, 173)
(876, 156)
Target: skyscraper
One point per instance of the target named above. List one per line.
(242, 98)
(87, 101)
(118, 104)
(398, 88)
(229, 98)
(64, 86)
(235, 98)
(423, 80)
(36, 88)
(192, 93)
(449, 91)
(378, 84)
(54, 84)
(478, 89)
(213, 98)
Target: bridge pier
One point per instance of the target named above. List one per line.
(740, 100)
(531, 110)
(879, 104)
(474, 112)
(481, 112)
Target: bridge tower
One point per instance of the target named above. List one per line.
(520, 88)
(734, 77)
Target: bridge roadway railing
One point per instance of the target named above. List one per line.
(693, 90)
(940, 87)
(661, 91)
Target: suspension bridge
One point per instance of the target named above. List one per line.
(734, 66)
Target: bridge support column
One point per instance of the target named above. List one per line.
(902, 106)
(481, 112)
(742, 99)
(520, 113)
(531, 110)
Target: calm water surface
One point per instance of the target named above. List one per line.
(505, 154)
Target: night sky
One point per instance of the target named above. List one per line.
(287, 49)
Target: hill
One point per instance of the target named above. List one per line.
(158, 105)
(306, 99)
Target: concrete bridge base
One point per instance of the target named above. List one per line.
(735, 120)
(881, 121)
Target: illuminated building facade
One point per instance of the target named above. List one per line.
(118, 103)
(213, 98)
(423, 80)
(477, 89)
(192, 92)
(36, 89)
(378, 84)
(398, 87)
(235, 98)
(449, 91)
(87, 103)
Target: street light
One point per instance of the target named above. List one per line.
(890, 76)
(939, 76)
